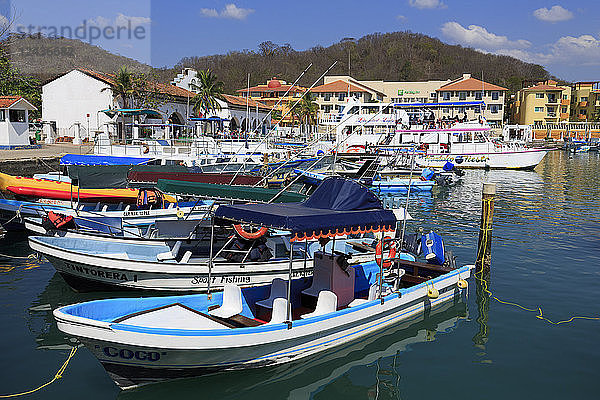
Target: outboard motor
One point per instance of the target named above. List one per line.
(432, 246)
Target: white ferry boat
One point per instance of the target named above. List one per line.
(361, 127)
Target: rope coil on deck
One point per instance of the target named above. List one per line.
(57, 376)
(487, 203)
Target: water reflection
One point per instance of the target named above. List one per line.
(369, 368)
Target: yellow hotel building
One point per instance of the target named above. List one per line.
(585, 102)
(543, 103)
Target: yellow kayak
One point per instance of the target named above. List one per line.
(49, 189)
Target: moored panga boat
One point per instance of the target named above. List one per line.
(146, 340)
(247, 259)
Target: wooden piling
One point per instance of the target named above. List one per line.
(484, 246)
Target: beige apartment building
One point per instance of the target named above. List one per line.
(545, 102)
(585, 102)
(464, 88)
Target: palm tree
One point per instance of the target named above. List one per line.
(209, 90)
(124, 86)
(307, 110)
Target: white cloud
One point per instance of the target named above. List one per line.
(478, 36)
(566, 51)
(230, 11)
(426, 4)
(554, 14)
(3, 21)
(401, 18)
(120, 20)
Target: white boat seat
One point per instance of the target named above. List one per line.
(278, 290)
(279, 314)
(126, 208)
(171, 254)
(105, 208)
(232, 302)
(321, 279)
(326, 303)
(186, 257)
(170, 205)
(373, 293)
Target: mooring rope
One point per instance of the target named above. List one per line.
(484, 283)
(57, 376)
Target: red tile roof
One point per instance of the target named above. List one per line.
(163, 88)
(469, 84)
(241, 101)
(7, 101)
(265, 88)
(543, 86)
(337, 86)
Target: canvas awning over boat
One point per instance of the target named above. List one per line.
(132, 111)
(89, 159)
(338, 206)
(152, 177)
(228, 192)
(113, 176)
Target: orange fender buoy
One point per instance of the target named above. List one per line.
(250, 235)
(385, 245)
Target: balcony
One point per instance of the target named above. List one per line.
(564, 116)
(582, 117)
(583, 104)
(564, 102)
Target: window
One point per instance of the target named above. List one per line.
(478, 96)
(495, 95)
(477, 110)
(357, 95)
(1, 115)
(433, 95)
(584, 99)
(565, 97)
(341, 96)
(327, 96)
(462, 95)
(563, 110)
(494, 108)
(539, 109)
(446, 95)
(539, 95)
(17, 115)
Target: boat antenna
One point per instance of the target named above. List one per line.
(412, 166)
(271, 111)
(289, 111)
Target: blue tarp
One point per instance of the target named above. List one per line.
(88, 159)
(338, 206)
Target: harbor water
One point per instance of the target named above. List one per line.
(545, 254)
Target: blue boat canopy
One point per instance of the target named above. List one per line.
(442, 104)
(89, 159)
(338, 206)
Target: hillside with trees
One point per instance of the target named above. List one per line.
(398, 56)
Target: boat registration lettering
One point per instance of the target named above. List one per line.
(127, 354)
(199, 280)
(136, 213)
(114, 275)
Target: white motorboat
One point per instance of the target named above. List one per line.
(144, 340)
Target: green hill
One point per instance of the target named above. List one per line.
(398, 56)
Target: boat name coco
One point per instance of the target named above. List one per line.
(127, 354)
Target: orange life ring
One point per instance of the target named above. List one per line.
(250, 235)
(385, 244)
(146, 149)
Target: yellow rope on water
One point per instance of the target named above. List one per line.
(57, 376)
(488, 203)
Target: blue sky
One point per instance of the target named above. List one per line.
(563, 36)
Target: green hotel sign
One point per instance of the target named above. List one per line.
(402, 92)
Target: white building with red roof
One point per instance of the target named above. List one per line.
(468, 88)
(14, 121)
(73, 104)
